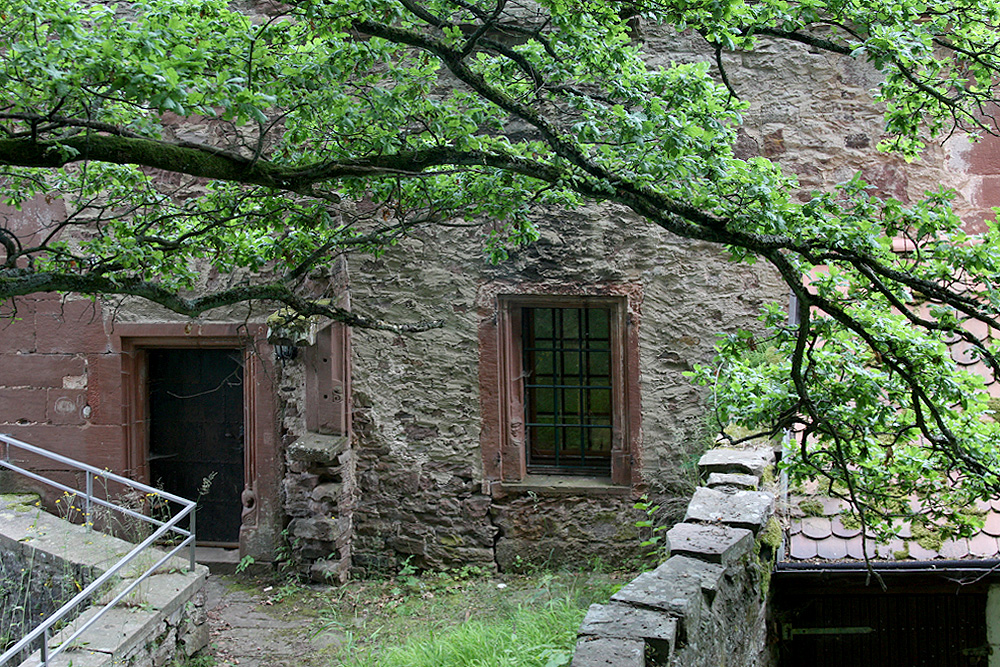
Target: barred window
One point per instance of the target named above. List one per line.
(568, 400)
(559, 382)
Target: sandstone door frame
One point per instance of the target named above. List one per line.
(260, 518)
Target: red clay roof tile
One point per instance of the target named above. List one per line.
(855, 548)
(832, 506)
(801, 547)
(816, 527)
(992, 526)
(827, 538)
(904, 530)
(983, 546)
(840, 530)
(832, 548)
(919, 552)
(955, 549)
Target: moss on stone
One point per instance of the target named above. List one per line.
(850, 521)
(735, 431)
(288, 318)
(451, 540)
(770, 537)
(927, 537)
(772, 534)
(903, 553)
(626, 533)
(811, 507)
(20, 502)
(994, 406)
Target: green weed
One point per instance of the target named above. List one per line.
(655, 543)
(463, 617)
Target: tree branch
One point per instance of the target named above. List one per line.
(20, 282)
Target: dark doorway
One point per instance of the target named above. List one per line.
(917, 622)
(196, 434)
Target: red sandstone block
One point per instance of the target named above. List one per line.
(22, 405)
(34, 219)
(17, 325)
(46, 296)
(40, 435)
(41, 212)
(988, 192)
(100, 446)
(71, 326)
(104, 388)
(38, 370)
(105, 447)
(72, 310)
(65, 406)
(889, 178)
(984, 156)
(973, 221)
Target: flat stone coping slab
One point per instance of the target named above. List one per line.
(680, 587)
(317, 448)
(710, 542)
(627, 622)
(609, 652)
(747, 461)
(734, 479)
(743, 509)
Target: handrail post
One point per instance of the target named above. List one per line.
(86, 507)
(45, 647)
(192, 533)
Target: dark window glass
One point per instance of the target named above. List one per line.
(567, 388)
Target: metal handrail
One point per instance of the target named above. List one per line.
(44, 629)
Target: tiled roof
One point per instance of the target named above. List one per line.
(820, 529)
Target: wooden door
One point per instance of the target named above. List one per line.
(196, 434)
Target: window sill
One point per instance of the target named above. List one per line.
(554, 485)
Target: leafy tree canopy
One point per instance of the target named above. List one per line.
(340, 124)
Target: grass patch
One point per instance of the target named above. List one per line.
(469, 618)
(527, 637)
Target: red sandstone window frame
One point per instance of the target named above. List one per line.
(502, 390)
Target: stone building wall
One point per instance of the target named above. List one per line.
(407, 476)
(422, 492)
(423, 488)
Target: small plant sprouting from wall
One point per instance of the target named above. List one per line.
(654, 541)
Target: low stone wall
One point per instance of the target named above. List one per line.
(163, 618)
(33, 583)
(706, 605)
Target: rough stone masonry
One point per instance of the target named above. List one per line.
(705, 605)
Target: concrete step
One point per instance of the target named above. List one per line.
(218, 560)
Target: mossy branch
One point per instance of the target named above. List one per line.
(20, 282)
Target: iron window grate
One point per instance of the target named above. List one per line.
(568, 388)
